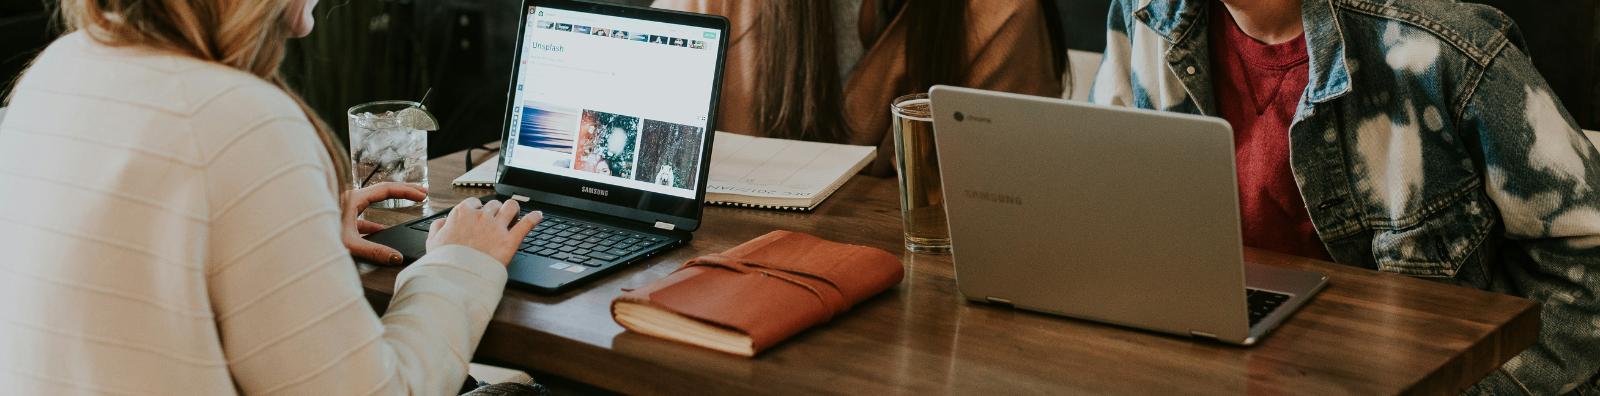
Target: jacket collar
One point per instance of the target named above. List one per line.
(1330, 76)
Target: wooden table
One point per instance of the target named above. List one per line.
(1368, 333)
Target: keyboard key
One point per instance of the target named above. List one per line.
(618, 252)
(595, 263)
(587, 245)
(530, 250)
(558, 240)
(577, 259)
(548, 252)
(603, 256)
(1262, 303)
(631, 241)
(567, 248)
(581, 252)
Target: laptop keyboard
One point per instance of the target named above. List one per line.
(1262, 303)
(578, 242)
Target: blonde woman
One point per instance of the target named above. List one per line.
(172, 223)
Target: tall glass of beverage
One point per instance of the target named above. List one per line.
(917, 163)
(389, 143)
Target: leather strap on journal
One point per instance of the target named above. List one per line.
(775, 286)
(829, 296)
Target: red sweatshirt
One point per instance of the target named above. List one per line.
(1258, 87)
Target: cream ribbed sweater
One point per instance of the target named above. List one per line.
(168, 229)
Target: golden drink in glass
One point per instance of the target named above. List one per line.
(917, 163)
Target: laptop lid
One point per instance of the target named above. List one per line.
(612, 109)
(1112, 214)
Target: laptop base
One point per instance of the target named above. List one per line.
(552, 273)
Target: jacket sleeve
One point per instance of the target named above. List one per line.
(1543, 175)
(290, 311)
(1113, 83)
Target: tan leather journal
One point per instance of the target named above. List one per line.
(757, 294)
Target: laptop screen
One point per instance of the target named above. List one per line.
(611, 101)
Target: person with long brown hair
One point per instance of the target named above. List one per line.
(173, 223)
(826, 70)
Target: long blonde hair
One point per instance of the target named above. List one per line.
(249, 35)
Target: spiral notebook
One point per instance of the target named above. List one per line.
(482, 176)
(755, 172)
(780, 174)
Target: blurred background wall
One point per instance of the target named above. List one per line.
(367, 50)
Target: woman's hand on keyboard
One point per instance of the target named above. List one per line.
(356, 201)
(483, 226)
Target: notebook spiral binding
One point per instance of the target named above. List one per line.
(754, 206)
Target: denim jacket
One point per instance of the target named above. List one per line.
(1425, 144)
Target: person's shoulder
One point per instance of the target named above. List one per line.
(996, 8)
(987, 18)
(1477, 30)
(177, 84)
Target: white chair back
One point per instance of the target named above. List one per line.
(1084, 66)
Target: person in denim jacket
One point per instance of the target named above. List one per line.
(1424, 144)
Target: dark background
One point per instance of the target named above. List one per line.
(367, 50)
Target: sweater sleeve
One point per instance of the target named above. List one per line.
(288, 302)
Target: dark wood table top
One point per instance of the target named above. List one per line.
(1368, 333)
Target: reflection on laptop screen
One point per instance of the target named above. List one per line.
(613, 100)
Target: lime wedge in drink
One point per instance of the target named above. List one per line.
(418, 119)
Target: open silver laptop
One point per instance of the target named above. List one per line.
(1111, 214)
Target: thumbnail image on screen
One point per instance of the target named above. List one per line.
(669, 154)
(606, 144)
(550, 131)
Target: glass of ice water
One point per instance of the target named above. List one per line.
(389, 143)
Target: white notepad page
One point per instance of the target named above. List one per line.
(779, 168)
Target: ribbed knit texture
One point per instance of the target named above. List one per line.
(170, 229)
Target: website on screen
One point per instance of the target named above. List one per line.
(613, 100)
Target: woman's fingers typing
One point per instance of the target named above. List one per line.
(508, 212)
(525, 226)
(487, 227)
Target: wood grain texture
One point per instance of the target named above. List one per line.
(1368, 333)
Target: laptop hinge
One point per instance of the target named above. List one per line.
(997, 300)
(1202, 334)
(665, 225)
(519, 198)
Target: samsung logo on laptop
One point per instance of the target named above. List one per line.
(596, 191)
(994, 197)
